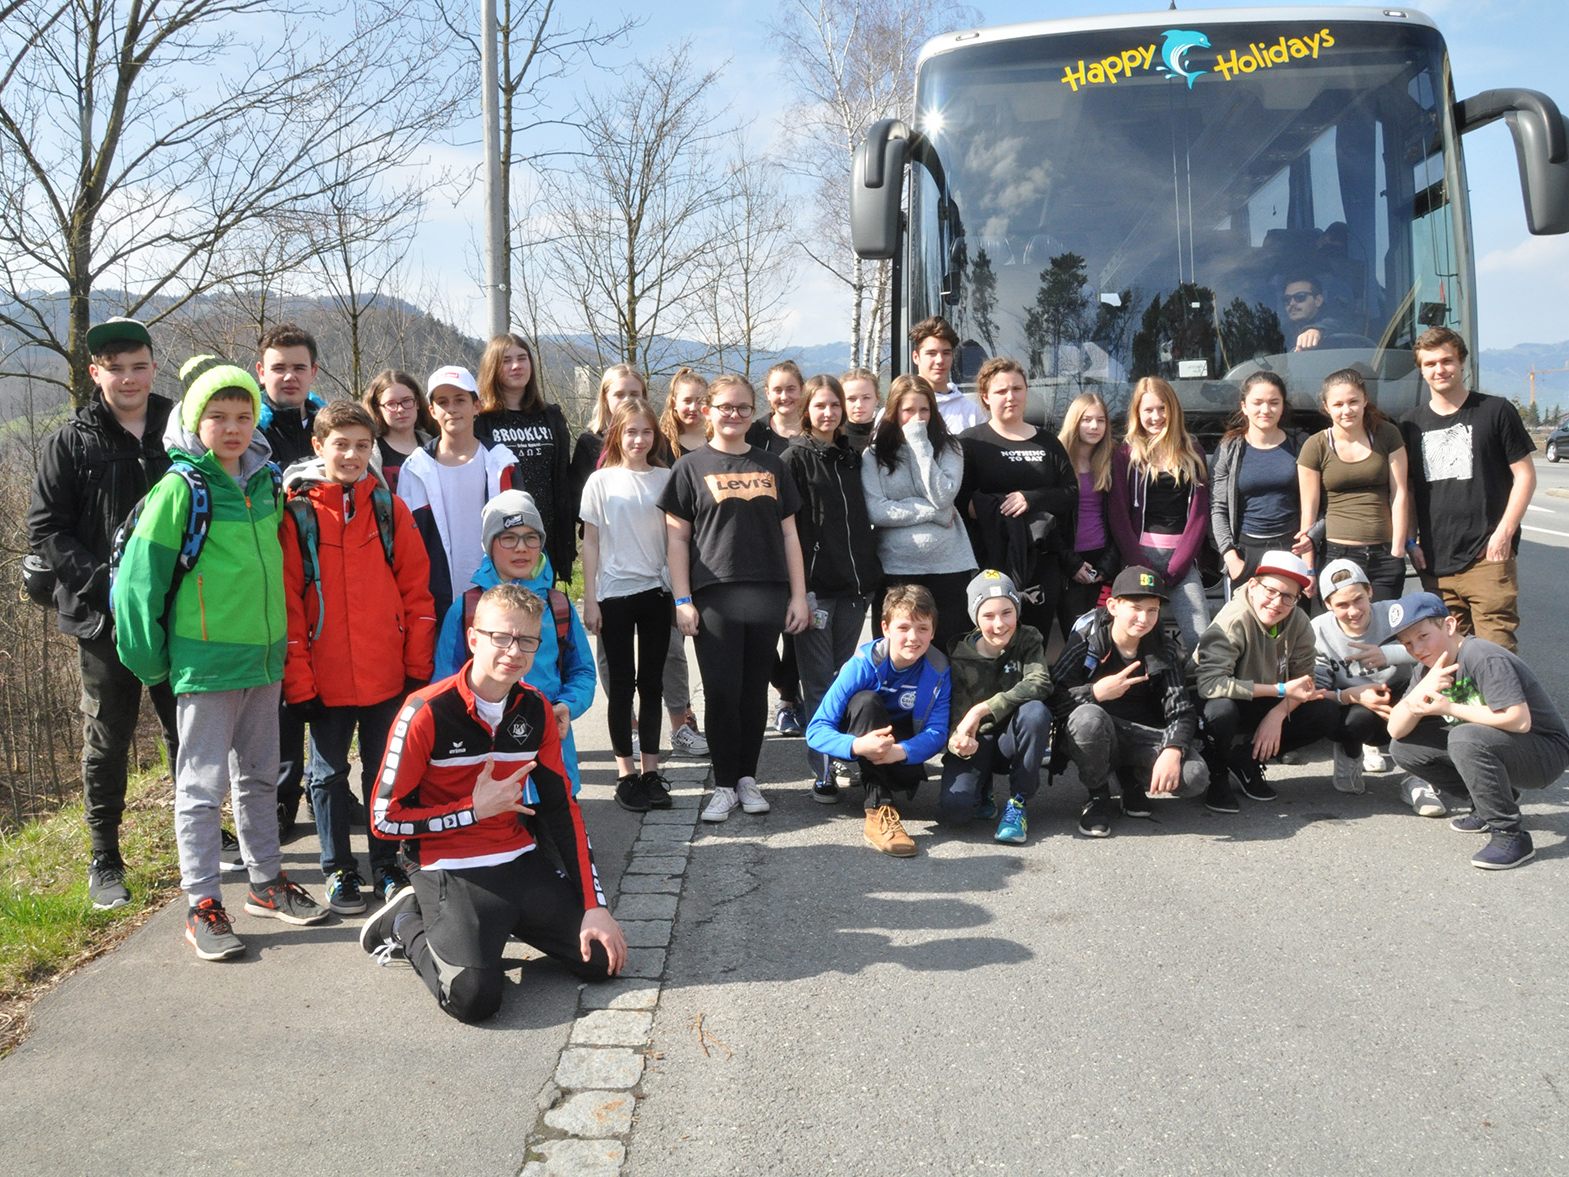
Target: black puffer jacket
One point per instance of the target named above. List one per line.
(90, 474)
(837, 543)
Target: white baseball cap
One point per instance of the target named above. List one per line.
(453, 376)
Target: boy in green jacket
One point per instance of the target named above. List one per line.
(217, 633)
(1000, 685)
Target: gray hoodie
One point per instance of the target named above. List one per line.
(1336, 666)
(911, 507)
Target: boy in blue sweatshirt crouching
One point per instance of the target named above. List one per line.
(887, 711)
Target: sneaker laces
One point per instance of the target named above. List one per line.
(888, 821)
(386, 952)
(216, 919)
(109, 870)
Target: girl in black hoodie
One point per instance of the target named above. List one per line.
(838, 548)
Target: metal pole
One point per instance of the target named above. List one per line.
(495, 219)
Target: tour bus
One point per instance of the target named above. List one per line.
(1192, 194)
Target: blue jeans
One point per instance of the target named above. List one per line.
(330, 797)
(1020, 747)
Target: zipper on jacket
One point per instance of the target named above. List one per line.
(201, 604)
(849, 536)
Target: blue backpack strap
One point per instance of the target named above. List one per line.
(381, 507)
(308, 534)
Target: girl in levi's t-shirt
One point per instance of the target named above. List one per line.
(626, 593)
(738, 579)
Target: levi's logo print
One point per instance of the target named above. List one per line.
(742, 484)
(1446, 453)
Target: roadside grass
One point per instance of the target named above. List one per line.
(47, 926)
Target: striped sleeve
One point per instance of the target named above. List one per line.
(560, 815)
(397, 811)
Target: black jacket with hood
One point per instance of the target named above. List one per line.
(837, 544)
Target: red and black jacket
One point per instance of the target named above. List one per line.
(436, 751)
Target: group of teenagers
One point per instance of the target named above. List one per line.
(392, 568)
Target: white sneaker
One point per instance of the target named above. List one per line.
(1422, 797)
(720, 804)
(1348, 772)
(686, 742)
(1375, 761)
(752, 799)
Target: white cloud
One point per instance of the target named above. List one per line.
(1522, 290)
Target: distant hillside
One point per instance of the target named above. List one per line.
(1506, 373)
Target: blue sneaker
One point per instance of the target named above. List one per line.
(1013, 827)
(985, 807)
(787, 721)
(1468, 823)
(1505, 849)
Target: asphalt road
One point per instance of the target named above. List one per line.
(1320, 985)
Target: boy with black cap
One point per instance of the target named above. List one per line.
(1255, 676)
(92, 471)
(1475, 718)
(999, 691)
(1123, 705)
(217, 635)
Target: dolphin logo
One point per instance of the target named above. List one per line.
(1174, 53)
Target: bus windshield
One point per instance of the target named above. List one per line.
(1190, 201)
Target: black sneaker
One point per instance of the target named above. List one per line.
(632, 794)
(377, 937)
(1095, 820)
(344, 892)
(1219, 798)
(1250, 776)
(825, 790)
(1468, 823)
(209, 931)
(1505, 849)
(230, 858)
(106, 883)
(657, 792)
(1135, 803)
(286, 901)
(389, 881)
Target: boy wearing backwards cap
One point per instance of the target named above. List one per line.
(1255, 677)
(1126, 708)
(1357, 660)
(93, 470)
(220, 645)
(1000, 686)
(513, 535)
(448, 481)
(1474, 717)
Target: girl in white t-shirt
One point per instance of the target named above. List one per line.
(626, 593)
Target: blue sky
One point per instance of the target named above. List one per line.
(1523, 280)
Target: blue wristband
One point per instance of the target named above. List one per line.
(683, 600)
(1280, 690)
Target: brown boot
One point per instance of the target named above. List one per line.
(885, 833)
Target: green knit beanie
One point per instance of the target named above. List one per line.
(202, 376)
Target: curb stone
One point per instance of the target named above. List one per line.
(589, 1105)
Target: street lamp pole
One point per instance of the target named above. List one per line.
(496, 277)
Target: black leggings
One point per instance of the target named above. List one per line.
(1078, 599)
(739, 628)
(647, 614)
(1227, 720)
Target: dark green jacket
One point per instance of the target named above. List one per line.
(1004, 683)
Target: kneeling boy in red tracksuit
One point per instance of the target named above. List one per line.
(470, 759)
(362, 627)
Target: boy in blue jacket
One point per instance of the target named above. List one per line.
(888, 712)
(514, 537)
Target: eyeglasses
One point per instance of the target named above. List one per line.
(503, 640)
(512, 541)
(1275, 594)
(731, 410)
(1299, 296)
(399, 406)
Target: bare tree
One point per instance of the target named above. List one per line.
(747, 275)
(136, 139)
(537, 50)
(634, 228)
(852, 62)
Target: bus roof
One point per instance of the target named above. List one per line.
(948, 42)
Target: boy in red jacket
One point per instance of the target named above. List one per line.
(362, 628)
(471, 759)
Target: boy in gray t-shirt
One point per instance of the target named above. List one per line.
(1474, 717)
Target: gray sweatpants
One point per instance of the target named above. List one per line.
(1099, 742)
(1490, 764)
(228, 739)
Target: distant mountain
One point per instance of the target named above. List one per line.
(1506, 373)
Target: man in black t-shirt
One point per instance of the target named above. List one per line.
(1472, 478)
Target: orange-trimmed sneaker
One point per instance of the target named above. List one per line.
(286, 901)
(885, 833)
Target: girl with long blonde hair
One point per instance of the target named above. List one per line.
(1159, 501)
(1086, 436)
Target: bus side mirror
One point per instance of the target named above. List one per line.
(876, 179)
(1541, 140)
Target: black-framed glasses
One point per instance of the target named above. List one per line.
(401, 405)
(512, 541)
(732, 410)
(1299, 296)
(503, 640)
(1275, 594)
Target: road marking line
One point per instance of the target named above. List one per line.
(1544, 510)
(1544, 530)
